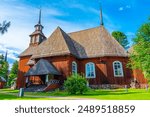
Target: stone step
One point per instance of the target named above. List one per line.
(35, 88)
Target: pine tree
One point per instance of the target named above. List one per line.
(13, 73)
(3, 67)
(121, 38)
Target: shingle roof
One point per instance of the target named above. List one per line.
(37, 32)
(59, 43)
(42, 67)
(29, 51)
(96, 42)
(93, 42)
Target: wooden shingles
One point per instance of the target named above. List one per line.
(94, 42)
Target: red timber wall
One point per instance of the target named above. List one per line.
(104, 70)
(22, 69)
(2, 85)
(138, 75)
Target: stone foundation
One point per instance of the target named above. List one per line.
(115, 86)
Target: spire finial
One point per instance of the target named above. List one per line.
(39, 17)
(101, 15)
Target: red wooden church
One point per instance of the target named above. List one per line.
(92, 52)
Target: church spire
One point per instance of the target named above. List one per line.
(39, 17)
(101, 16)
(37, 36)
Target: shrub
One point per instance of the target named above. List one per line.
(76, 84)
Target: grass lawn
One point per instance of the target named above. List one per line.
(112, 94)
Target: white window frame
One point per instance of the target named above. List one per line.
(121, 68)
(75, 66)
(86, 69)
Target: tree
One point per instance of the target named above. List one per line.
(3, 67)
(76, 84)
(140, 56)
(4, 26)
(13, 73)
(121, 38)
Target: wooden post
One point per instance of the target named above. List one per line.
(126, 88)
(47, 79)
(146, 87)
(21, 92)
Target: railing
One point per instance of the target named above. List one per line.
(53, 82)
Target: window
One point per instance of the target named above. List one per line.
(33, 39)
(90, 70)
(37, 38)
(74, 67)
(118, 70)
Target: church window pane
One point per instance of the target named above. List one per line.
(90, 70)
(118, 70)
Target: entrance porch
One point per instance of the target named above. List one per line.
(42, 74)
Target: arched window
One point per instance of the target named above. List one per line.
(90, 70)
(118, 70)
(74, 67)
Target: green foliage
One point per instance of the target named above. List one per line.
(4, 26)
(13, 73)
(76, 84)
(121, 38)
(140, 57)
(3, 67)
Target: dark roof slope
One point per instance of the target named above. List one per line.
(96, 42)
(42, 67)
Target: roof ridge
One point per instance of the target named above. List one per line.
(84, 30)
(61, 31)
(68, 39)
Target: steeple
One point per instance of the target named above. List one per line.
(37, 36)
(101, 16)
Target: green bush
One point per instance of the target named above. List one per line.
(76, 84)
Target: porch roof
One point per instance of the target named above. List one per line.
(42, 67)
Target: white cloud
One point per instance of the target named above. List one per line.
(124, 7)
(121, 8)
(128, 6)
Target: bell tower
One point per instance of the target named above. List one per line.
(37, 36)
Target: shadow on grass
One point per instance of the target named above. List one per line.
(110, 92)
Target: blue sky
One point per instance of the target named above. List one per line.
(70, 15)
